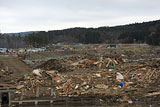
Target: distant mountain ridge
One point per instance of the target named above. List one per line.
(145, 32)
(22, 33)
(132, 33)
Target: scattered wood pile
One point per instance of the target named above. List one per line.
(99, 74)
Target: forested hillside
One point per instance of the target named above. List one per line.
(7, 41)
(146, 32)
(138, 33)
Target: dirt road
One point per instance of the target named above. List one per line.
(14, 64)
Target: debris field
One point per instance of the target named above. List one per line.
(130, 74)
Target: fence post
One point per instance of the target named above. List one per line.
(21, 98)
(51, 91)
(37, 91)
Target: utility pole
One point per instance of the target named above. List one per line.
(134, 41)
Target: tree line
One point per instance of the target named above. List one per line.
(13, 41)
(146, 32)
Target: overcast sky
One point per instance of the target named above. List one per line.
(32, 15)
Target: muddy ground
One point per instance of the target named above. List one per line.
(139, 66)
(16, 68)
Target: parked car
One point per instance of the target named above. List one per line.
(21, 51)
(4, 50)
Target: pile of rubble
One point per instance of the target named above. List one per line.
(89, 74)
(84, 61)
(62, 85)
(52, 75)
(54, 64)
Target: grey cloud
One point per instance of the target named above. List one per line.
(56, 14)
